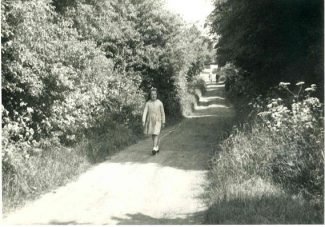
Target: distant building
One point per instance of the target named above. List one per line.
(214, 66)
(210, 68)
(208, 73)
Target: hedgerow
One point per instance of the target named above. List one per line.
(78, 71)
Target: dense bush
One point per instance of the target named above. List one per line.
(196, 88)
(239, 91)
(298, 163)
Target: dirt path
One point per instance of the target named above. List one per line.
(134, 187)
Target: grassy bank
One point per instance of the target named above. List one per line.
(271, 169)
(28, 180)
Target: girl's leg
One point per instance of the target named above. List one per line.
(158, 141)
(155, 140)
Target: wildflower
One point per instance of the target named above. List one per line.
(309, 89)
(284, 84)
(300, 83)
(31, 131)
(22, 104)
(71, 137)
(4, 111)
(265, 113)
(30, 110)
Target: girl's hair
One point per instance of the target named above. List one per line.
(151, 90)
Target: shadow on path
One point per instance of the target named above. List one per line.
(269, 209)
(141, 219)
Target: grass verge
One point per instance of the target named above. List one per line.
(50, 169)
(44, 170)
(244, 178)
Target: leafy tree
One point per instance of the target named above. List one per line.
(139, 36)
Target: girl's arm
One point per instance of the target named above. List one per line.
(144, 115)
(162, 112)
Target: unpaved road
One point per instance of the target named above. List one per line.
(134, 187)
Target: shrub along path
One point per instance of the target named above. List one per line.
(134, 187)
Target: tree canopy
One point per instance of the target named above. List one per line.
(271, 40)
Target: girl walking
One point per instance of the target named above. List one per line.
(153, 119)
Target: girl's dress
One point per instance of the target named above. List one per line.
(153, 116)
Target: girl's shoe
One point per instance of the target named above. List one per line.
(154, 152)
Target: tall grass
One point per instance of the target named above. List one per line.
(48, 168)
(244, 185)
(43, 171)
